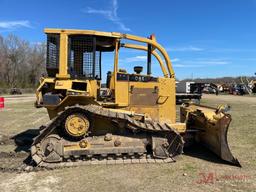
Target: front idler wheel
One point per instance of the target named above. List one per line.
(77, 125)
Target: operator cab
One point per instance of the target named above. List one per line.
(84, 55)
(84, 62)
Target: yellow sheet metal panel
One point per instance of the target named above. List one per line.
(143, 98)
(167, 100)
(82, 32)
(66, 84)
(121, 93)
(92, 87)
(116, 63)
(112, 82)
(164, 109)
(63, 57)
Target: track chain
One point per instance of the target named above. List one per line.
(176, 144)
(30, 167)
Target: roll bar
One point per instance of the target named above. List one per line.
(144, 48)
(152, 41)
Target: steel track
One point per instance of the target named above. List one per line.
(175, 145)
(123, 160)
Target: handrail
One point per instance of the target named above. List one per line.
(155, 45)
(144, 48)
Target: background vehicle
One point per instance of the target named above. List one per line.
(15, 91)
(188, 92)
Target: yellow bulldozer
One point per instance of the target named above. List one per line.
(131, 119)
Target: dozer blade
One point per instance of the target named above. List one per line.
(211, 126)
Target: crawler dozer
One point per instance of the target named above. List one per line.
(130, 116)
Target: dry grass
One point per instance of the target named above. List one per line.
(184, 175)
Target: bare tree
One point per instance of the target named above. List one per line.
(21, 63)
(36, 63)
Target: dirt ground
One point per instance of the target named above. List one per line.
(195, 170)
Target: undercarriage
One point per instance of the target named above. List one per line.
(121, 136)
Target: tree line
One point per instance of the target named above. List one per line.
(223, 80)
(21, 62)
